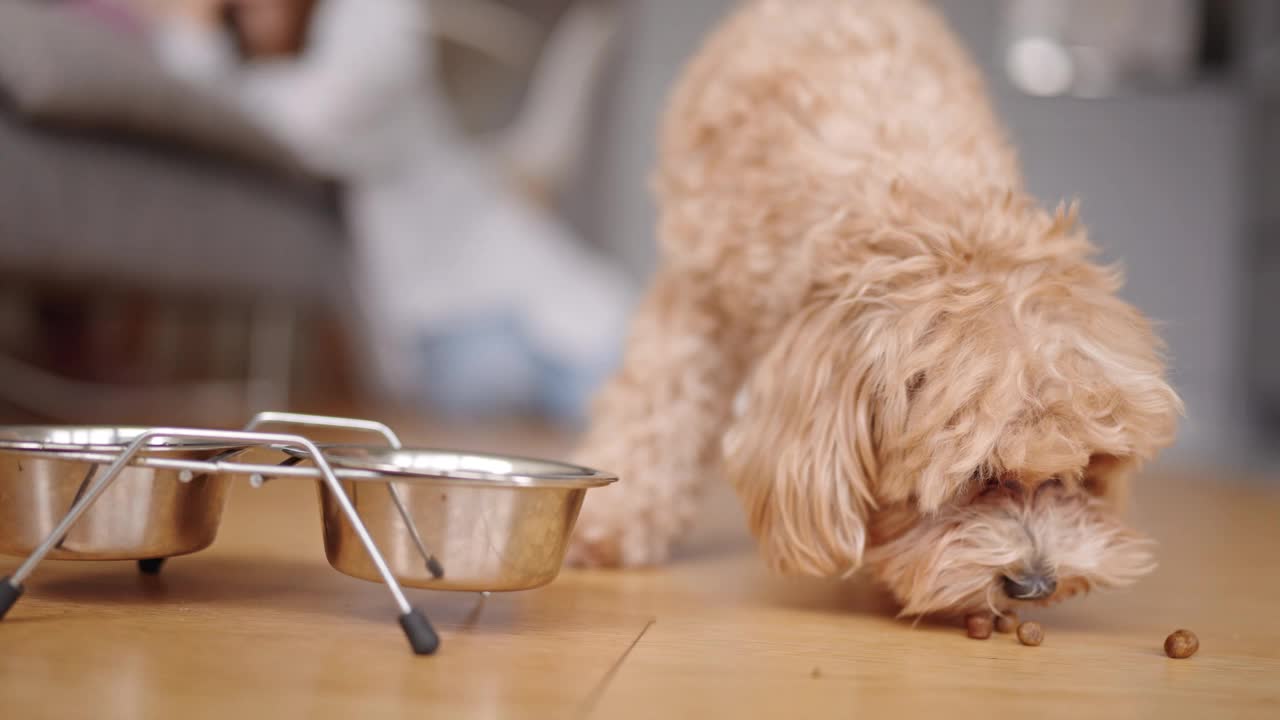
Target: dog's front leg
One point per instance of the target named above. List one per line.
(657, 424)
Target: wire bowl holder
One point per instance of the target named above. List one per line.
(537, 524)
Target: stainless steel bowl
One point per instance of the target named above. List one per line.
(146, 513)
(494, 522)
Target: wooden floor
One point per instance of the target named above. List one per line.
(260, 626)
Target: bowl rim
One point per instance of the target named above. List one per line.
(25, 439)
(381, 467)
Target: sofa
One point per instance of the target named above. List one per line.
(114, 178)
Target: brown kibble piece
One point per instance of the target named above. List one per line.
(1181, 644)
(978, 626)
(1007, 622)
(1030, 633)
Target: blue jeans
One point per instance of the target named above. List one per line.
(488, 367)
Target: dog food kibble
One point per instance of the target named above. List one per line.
(1007, 622)
(1030, 633)
(978, 626)
(1181, 644)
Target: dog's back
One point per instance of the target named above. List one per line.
(798, 113)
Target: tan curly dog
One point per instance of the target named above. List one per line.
(865, 323)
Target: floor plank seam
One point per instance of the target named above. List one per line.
(593, 699)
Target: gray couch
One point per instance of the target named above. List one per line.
(114, 177)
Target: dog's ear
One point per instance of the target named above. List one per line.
(1107, 477)
(801, 451)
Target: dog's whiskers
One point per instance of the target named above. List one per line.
(990, 602)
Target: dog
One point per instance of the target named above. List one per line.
(863, 320)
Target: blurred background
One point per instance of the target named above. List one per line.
(438, 209)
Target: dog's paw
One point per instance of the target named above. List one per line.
(584, 553)
(607, 536)
(613, 551)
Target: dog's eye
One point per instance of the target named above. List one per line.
(1053, 483)
(990, 485)
(914, 385)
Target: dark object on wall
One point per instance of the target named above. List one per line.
(1218, 36)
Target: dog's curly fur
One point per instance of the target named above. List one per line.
(938, 382)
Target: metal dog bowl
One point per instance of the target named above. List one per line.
(427, 518)
(147, 513)
(489, 522)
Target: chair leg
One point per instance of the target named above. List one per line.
(272, 335)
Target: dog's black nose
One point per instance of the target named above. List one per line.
(1033, 586)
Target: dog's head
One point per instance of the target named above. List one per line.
(970, 417)
(1006, 543)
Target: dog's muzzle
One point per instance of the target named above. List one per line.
(1030, 587)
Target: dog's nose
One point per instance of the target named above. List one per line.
(1033, 586)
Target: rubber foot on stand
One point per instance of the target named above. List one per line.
(150, 566)
(9, 594)
(422, 637)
